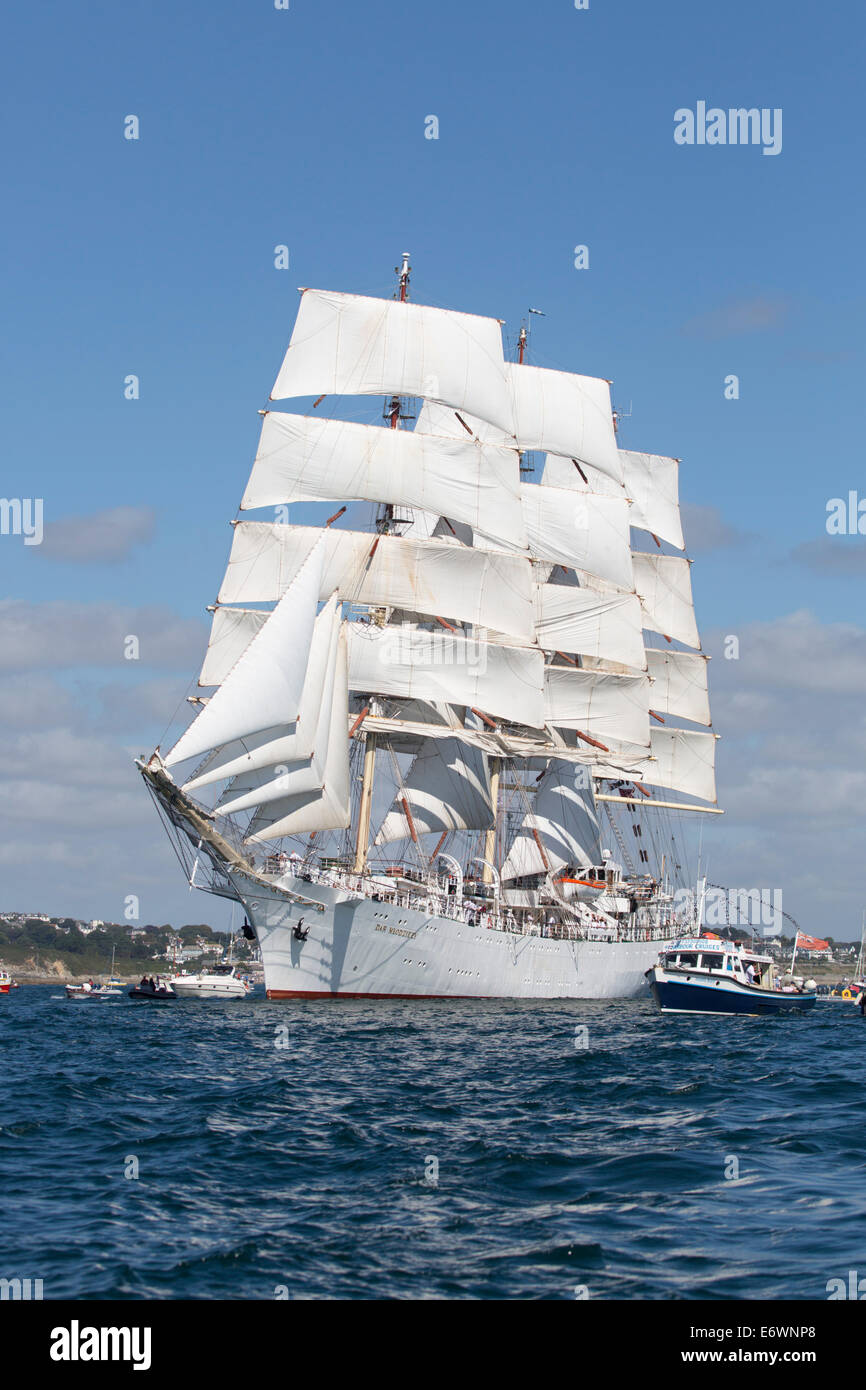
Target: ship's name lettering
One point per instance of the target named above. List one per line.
(395, 931)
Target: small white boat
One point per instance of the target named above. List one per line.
(90, 991)
(222, 982)
(6, 981)
(707, 975)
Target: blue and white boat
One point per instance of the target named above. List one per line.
(706, 975)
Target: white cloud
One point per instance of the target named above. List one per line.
(738, 316)
(99, 538)
(67, 634)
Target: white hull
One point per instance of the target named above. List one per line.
(359, 947)
(213, 988)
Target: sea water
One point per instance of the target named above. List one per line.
(351, 1149)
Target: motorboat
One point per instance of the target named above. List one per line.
(707, 975)
(89, 991)
(221, 982)
(156, 989)
(6, 982)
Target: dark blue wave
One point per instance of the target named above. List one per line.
(671, 1158)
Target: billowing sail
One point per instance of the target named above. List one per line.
(683, 760)
(447, 788)
(585, 622)
(664, 586)
(679, 684)
(286, 742)
(232, 630)
(562, 828)
(264, 688)
(301, 459)
(411, 663)
(598, 704)
(650, 481)
(444, 420)
(559, 412)
(282, 779)
(587, 532)
(489, 588)
(349, 345)
(326, 806)
(564, 413)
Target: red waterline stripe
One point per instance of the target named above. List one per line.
(350, 994)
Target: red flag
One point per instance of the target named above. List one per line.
(811, 943)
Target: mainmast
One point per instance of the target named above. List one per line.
(393, 412)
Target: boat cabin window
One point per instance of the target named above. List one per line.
(712, 962)
(685, 958)
(222, 970)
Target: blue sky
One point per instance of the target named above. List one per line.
(306, 127)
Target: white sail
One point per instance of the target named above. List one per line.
(683, 760)
(597, 703)
(564, 819)
(264, 688)
(492, 589)
(286, 742)
(650, 482)
(664, 586)
(232, 630)
(411, 663)
(350, 345)
(586, 622)
(302, 459)
(587, 532)
(327, 807)
(679, 684)
(564, 413)
(447, 788)
(280, 779)
(443, 420)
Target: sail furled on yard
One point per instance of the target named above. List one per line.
(447, 788)
(561, 828)
(351, 345)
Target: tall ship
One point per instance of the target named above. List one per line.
(451, 724)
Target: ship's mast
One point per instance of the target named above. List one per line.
(496, 763)
(392, 413)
